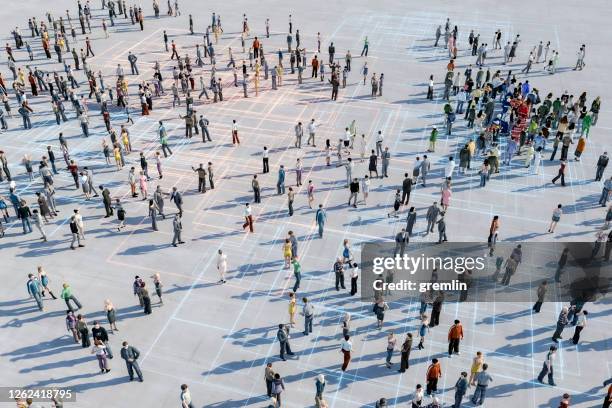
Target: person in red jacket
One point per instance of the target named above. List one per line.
(434, 372)
(455, 335)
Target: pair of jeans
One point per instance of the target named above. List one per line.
(75, 300)
(27, 227)
(308, 324)
(479, 394)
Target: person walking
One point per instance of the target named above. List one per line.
(556, 216)
(67, 295)
(547, 366)
(186, 400)
(346, 346)
(130, 354)
(34, 288)
(248, 218)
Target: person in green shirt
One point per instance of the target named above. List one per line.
(297, 272)
(587, 121)
(432, 139)
(67, 296)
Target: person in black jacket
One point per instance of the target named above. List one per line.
(24, 213)
(406, 189)
(130, 354)
(99, 333)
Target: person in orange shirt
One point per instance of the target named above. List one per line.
(256, 48)
(451, 65)
(434, 372)
(455, 335)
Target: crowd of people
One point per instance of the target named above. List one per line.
(510, 124)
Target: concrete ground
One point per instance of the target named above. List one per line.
(218, 338)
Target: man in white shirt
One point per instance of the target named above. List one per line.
(379, 142)
(311, 132)
(345, 348)
(248, 217)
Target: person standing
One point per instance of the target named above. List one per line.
(280, 183)
(321, 218)
(562, 321)
(71, 326)
(265, 159)
(580, 325)
(177, 227)
(201, 177)
(461, 387)
(455, 335)
(391, 342)
(406, 189)
(602, 163)
(99, 349)
(130, 354)
(308, 312)
(221, 265)
(269, 378)
(541, 294)
(483, 379)
(256, 190)
(405, 353)
(99, 333)
(434, 372)
(282, 335)
(547, 367)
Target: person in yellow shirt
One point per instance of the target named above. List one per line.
(292, 308)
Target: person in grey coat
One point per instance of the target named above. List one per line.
(432, 216)
(410, 220)
(283, 339)
(177, 226)
(441, 228)
(425, 166)
(89, 175)
(158, 197)
(130, 354)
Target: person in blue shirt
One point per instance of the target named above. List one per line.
(34, 289)
(321, 217)
(280, 184)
